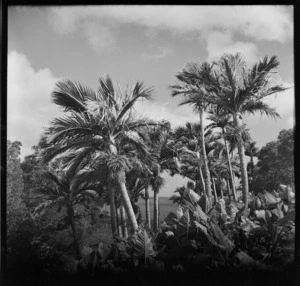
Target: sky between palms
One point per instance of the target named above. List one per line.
(137, 43)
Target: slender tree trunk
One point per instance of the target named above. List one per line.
(119, 221)
(214, 189)
(243, 166)
(74, 231)
(121, 180)
(230, 168)
(221, 192)
(155, 212)
(147, 207)
(229, 191)
(201, 174)
(123, 221)
(113, 213)
(207, 178)
(126, 200)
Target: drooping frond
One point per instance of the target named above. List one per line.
(77, 160)
(252, 107)
(53, 178)
(68, 126)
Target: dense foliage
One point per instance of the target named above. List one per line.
(101, 154)
(275, 164)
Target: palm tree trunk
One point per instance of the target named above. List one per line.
(221, 192)
(123, 221)
(214, 189)
(74, 232)
(121, 180)
(126, 200)
(243, 166)
(147, 207)
(230, 168)
(119, 221)
(207, 178)
(155, 212)
(229, 190)
(201, 174)
(113, 213)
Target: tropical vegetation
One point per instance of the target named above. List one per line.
(72, 205)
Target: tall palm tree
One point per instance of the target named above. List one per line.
(237, 89)
(192, 76)
(99, 123)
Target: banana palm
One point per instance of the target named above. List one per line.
(97, 124)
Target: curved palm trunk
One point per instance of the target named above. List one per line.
(113, 213)
(126, 200)
(147, 206)
(155, 212)
(123, 221)
(121, 180)
(230, 168)
(207, 178)
(243, 166)
(74, 232)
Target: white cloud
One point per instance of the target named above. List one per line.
(284, 102)
(156, 56)
(28, 100)
(219, 43)
(291, 121)
(99, 37)
(272, 23)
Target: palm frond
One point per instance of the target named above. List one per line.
(259, 106)
(107, 91)
(71, 95)
(139, 91)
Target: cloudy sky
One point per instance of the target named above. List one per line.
(149, 43)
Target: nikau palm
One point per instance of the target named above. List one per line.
(100, 123)
(222, 121)
(190, 87)
(236, 89)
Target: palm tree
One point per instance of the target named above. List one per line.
(187, 139)
(252, 151)
(192, 76)
(67, 190)
(98, 123)
(238, 90)
(222, 121)
(163, 153)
